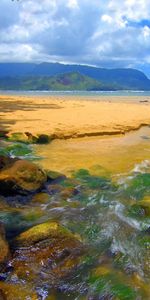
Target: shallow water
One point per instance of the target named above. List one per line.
(110, 216)
(115, 155)
(110, 212)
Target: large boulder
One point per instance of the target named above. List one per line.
(20, 176)
(46, 252)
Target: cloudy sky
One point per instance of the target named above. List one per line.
(106, 33)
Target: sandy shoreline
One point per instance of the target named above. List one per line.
(54, 115)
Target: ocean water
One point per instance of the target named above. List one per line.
(77, 93)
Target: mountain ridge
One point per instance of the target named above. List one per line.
(119, 78)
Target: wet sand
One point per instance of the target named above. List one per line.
(76, 116)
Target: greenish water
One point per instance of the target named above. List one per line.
(106, 201)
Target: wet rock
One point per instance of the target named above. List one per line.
(69, 192)
(18, 137)
(6, 162)
(63, 193)
(20, 176)
(55, 176)
(16, 292)
(53, 189)
(46, 252)
(43, 139)
(4, 248)
(41, 198)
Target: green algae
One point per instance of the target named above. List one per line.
(18, 150)
(139, 186)
(111, 285)
(93, 182)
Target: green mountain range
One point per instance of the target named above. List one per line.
(60, 77)
(63, 82)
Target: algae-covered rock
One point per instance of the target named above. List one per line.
(17, 150)
(4, 248)
(16, 292)
(18, 137)
(23, 137)
(41, 198)
(21, 176)
(41, 232)
(48, 251)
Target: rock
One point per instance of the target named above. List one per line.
(4, 248)
(18, 137)
(20, 176)
(63, 193)
(69, 192)
(53, 189)
(41, 198)
(41, 232)
(46, 252)
(56, 177)
(16, 292)
(6, 162)
(43, 139)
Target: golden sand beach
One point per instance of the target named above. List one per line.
(73, 116)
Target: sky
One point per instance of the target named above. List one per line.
(104, 33)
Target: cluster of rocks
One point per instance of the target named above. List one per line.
(45, 253)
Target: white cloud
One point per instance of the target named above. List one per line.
(73, 4)
(106, 18)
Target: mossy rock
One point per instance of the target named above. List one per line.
(17, 150)
(23, 137)
(41, 198)
(41, 232)
(21, 176)
(16, 292)
(48, 250)
(32, 215)
(18, 137)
